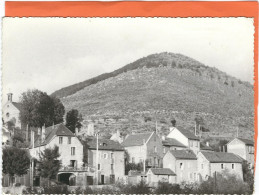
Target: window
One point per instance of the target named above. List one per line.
(99, 167)
(233, 166)
(105, 155)
(112, 167)
(181, 166)
(69, 140)
(155, 149)
(112, 156)
(222, 166)
(60, 140)
(73, 151)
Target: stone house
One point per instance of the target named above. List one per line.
(172, 144)
(155, 175)
(186, 138)
(243, 148)
(183, 163)
(70, 148)
(219, 162)
(144, 147)
(111, 155)
(11, 111)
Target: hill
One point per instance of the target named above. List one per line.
(160, 87)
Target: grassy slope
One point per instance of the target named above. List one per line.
(162, 92)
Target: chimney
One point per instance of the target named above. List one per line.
(10, 97)
(43, 133)
(76, 132)
(163, 137)
(207, 143)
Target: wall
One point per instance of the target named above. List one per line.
(176, 134)
(227, 167)
(204, 171)
(64, 150)
(237, 147)
(155, 141)
(194, 145)
(105, 163)
(138, 152)
(13, 113)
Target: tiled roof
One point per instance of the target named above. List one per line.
(188, 134)
(105, 144)
(172, 142)
(183, 154)
(162, 171)
(136, 139)
(221, 157)
(205, 147)
(56, 130)
(136, 173)
(247, 141)
(17, 105)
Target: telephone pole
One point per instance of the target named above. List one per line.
(97, 157)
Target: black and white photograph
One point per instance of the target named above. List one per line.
(128, 105)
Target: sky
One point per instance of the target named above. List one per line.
(52, 53)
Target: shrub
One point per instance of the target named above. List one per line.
(58, 189)
(167, 188)
(17, 184)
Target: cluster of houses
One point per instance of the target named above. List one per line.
(178, 157)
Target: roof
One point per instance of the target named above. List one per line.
(247, 141)
(188, 134)
(136, 139)
(183, 154)
(205, 147)
(136, 173)
(221, 157)
(17, 105)
(172, 142)
(52, 131)
(105, 144)
(162, 171)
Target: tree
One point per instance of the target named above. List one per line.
(49, 164)
(15, 161)
(73, 120)
(248, 175)
(38, 109)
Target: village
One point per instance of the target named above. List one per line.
(90, 160)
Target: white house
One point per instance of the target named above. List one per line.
(219, 162)
(11, 111)
(155, 175)
(172, 144)
(183, 163)
(243, 148)
(186, 138)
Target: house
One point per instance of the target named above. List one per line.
(155, 175)
(219, 162)
(134, 177)
(70, 148)
(186, 138)
(117, 136)
(243, 148)
(183, 163)
(11, 111)
(172, 144)
(111, 155)
(144, 147)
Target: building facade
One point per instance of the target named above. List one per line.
(111, 165)
(183, 163)
(243, 148)
(210, 163)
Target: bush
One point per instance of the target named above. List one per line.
(167, 188)
(58, 189)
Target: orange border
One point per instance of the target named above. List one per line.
(144, 9)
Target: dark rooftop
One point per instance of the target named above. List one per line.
(221, 157)
(183, 154)
(162, 171)
(172, 142)
(105, 144)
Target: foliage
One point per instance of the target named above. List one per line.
(134, 166)
(73, 120)
(223, 183)
(248, 175)
(38, 109)
(15, 161)
(49, 164)
(85, 149)
(167, 188)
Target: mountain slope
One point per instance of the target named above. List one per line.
(160, 87)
